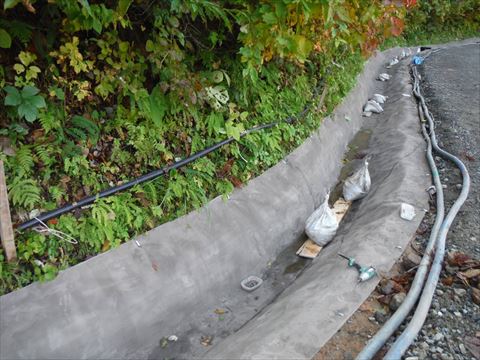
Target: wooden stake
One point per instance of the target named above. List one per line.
(6, 230)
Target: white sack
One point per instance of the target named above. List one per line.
(358, 185)
(322, 225)
(379, 98)
(372, 106)
(383, 77)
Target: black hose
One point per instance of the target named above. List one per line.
(162, 171)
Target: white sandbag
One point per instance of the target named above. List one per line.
(322, 225)
(379, 98)
(372, 107)
(394, 61)
(383, 77)
(358, 185)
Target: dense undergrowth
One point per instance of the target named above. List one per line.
(96, 93)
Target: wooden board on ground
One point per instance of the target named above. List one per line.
(6, 230)
(310, 249)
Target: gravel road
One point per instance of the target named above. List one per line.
(451, 86)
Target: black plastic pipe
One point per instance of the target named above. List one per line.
(159, 172)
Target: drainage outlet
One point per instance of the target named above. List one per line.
(251, 283)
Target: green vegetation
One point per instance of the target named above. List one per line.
(95, 93)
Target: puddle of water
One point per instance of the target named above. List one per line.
(356, 151)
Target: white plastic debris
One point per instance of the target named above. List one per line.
(405, 53)
(173, 338)
(392, 62)
(379, 98)
(407, 212)
(358, 185)
(322, 225)
(383, 77)
(372, 107)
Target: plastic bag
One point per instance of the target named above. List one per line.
(322, 225)
(358, 185)
(379, 98)
(372, 107)
(383, 77)
(393, 62)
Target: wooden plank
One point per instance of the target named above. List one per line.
(340, 208)
(6, 230)
(310, 249)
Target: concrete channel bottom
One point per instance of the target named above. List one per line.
(183, 283)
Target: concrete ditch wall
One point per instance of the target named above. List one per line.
(121, 303)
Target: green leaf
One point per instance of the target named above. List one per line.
(97, 26)
(234, 130)
(37, 101)
(29, 111)
(29, 91)
(158, 105)
(8, 4)
(5, 39)
(123, 6)
(13, 98)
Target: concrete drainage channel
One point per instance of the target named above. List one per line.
(178, 294)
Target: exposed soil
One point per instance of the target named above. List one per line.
(451, 85)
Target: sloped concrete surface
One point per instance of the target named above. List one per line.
(122, 303)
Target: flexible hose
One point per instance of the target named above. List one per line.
(159, 172)
(381, 337)
(411, 331)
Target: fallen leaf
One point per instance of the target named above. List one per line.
(106, 246)
(471, 273)
(448, 281)
(219, 311)
(458, 259)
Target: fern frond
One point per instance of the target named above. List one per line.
(24, 161)
(46, 154)
(24, 193)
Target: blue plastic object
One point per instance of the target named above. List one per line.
(417, 60)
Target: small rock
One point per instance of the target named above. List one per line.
(380, 317)
(460, 291)
(397, 300)
(422, 354)
(440, 313)
(457, 314)
(411, 260)
(423, 345)
(371, 318)
(386, 286)
(439, 292)
(438, 337)
(458, 186)
(462, 348)
(412, 358)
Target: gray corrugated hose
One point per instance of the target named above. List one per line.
(436, 241)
